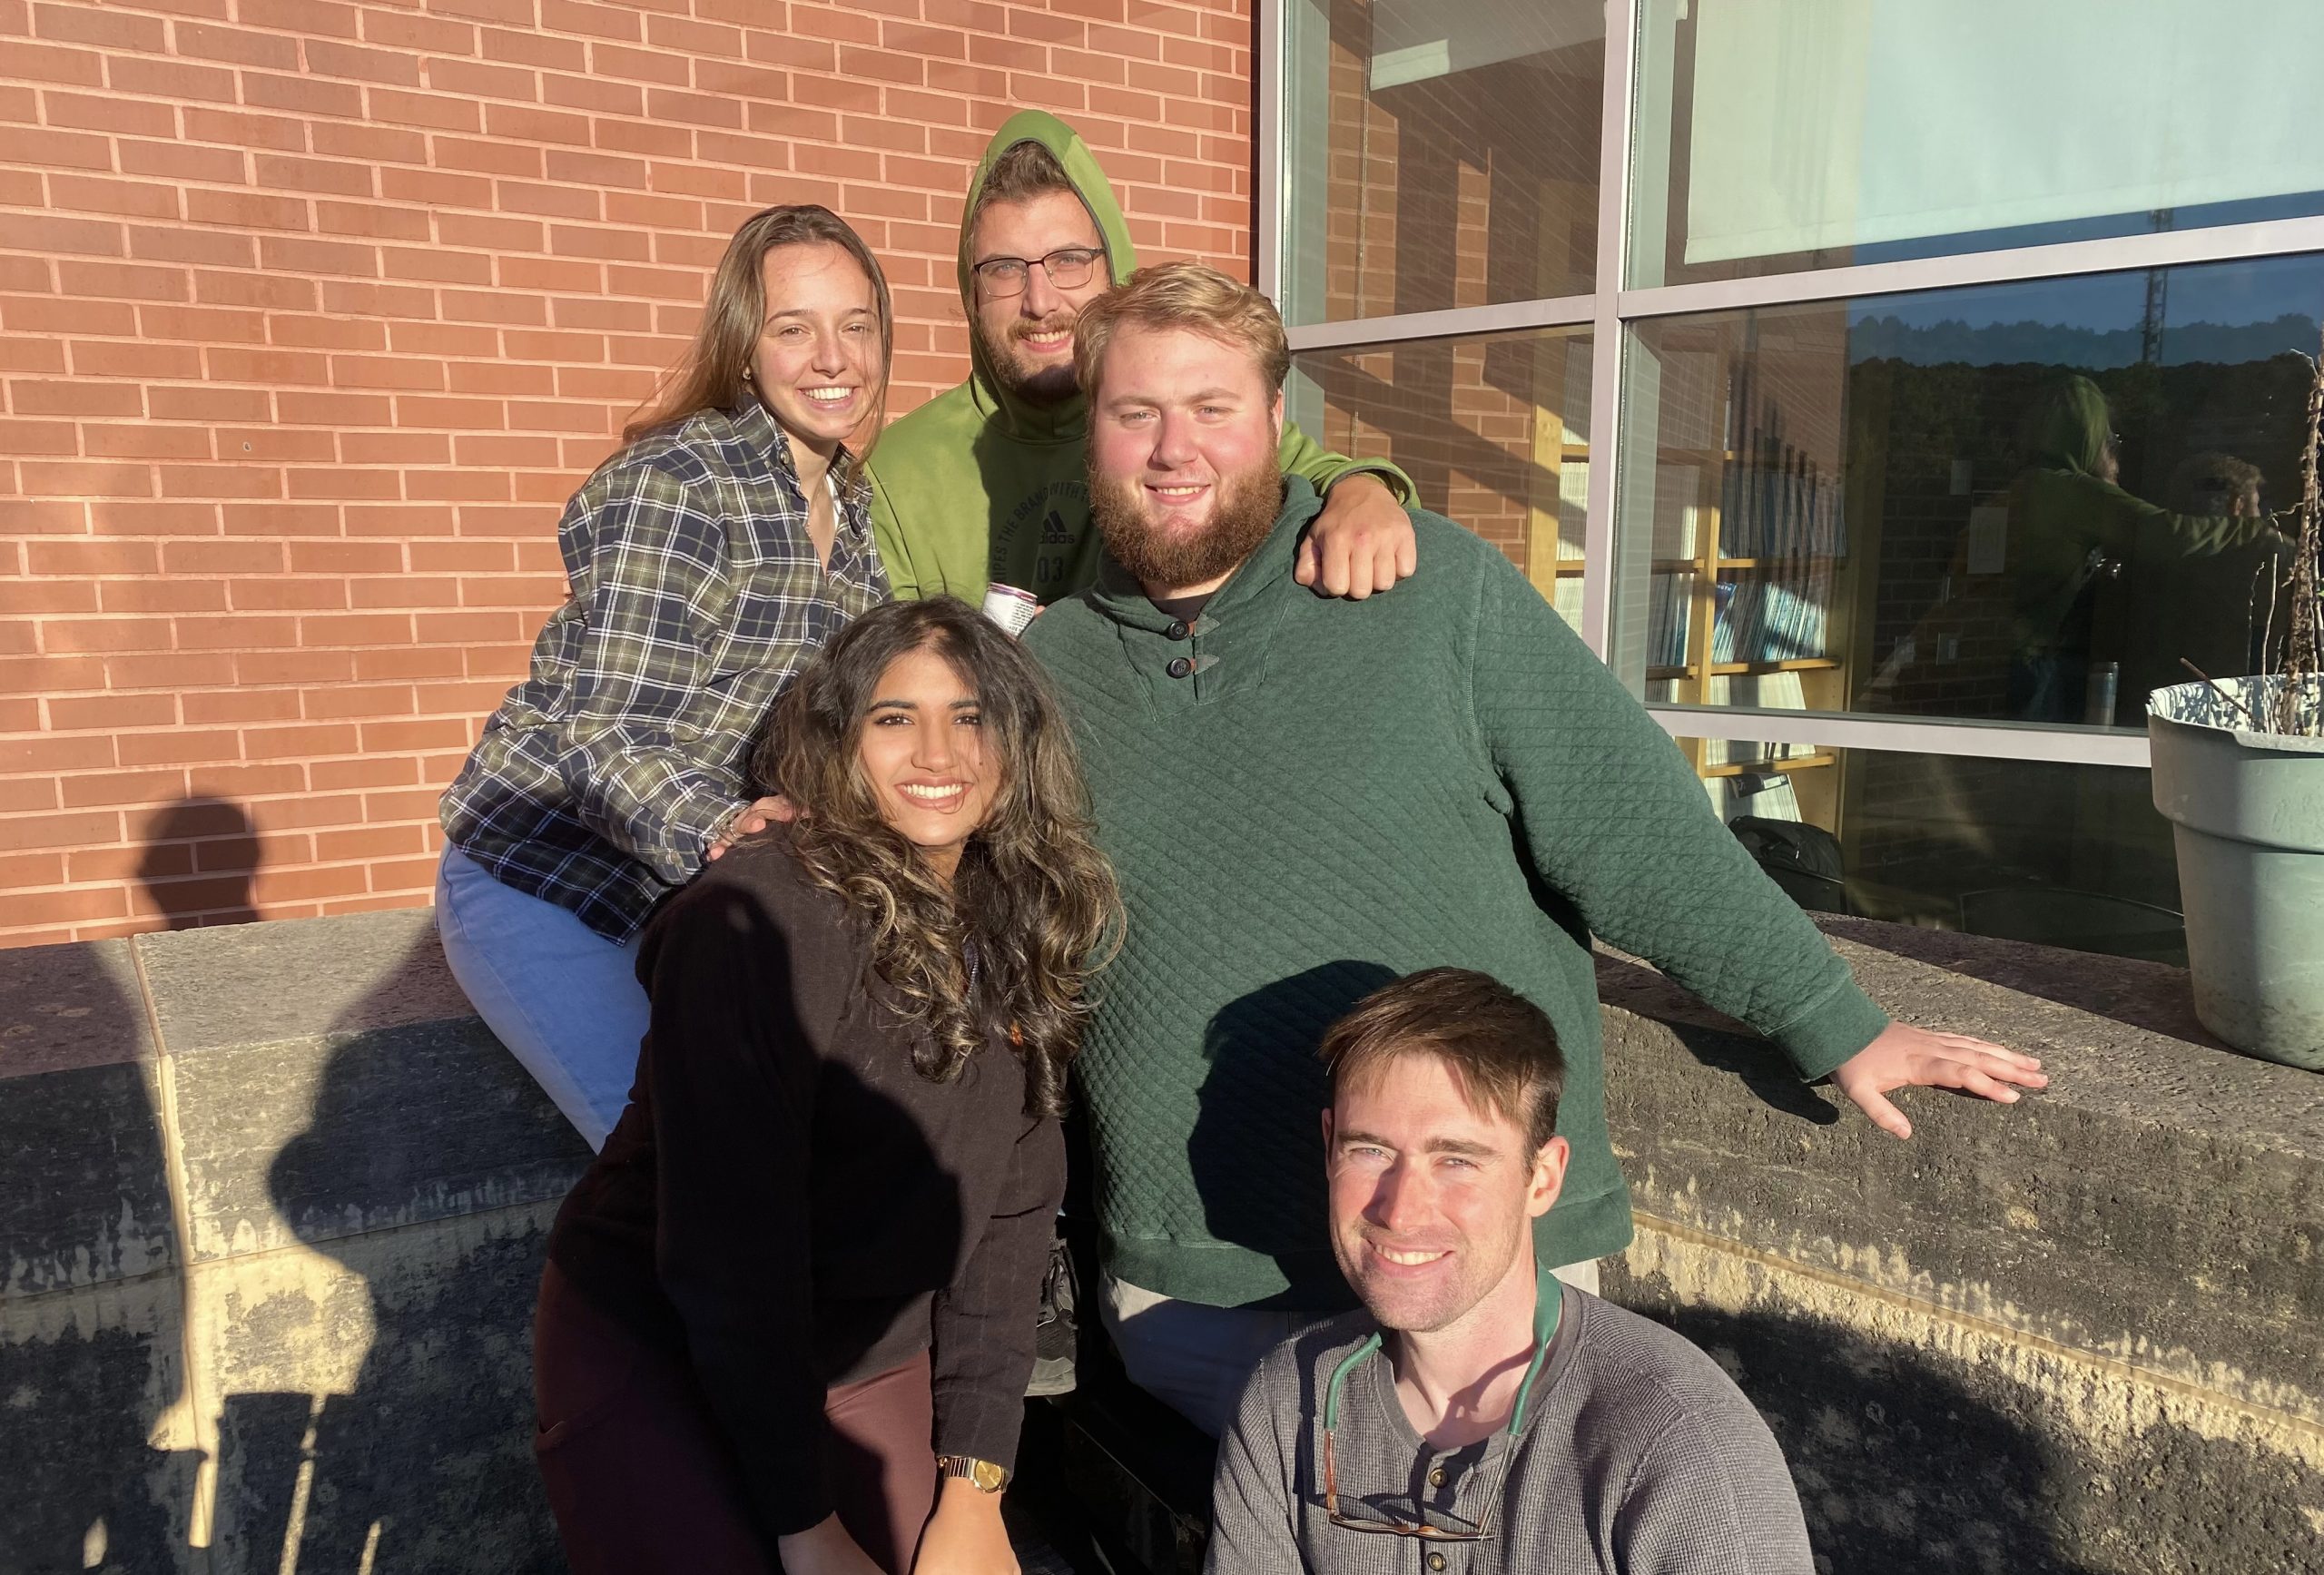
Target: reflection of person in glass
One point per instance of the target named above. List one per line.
(2073, 529)
(2218, 484)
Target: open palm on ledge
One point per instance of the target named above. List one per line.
(1904, 1055)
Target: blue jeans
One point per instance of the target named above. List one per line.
(565, 999)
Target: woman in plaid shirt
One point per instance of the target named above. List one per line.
(707, 560)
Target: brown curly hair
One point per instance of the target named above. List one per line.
(1033, 901)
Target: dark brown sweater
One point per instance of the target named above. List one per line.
(790, 1204)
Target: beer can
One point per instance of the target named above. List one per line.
(1009, 607)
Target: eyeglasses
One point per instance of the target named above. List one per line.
(1391, 1525)
(1549, 1300)
(1067, 269)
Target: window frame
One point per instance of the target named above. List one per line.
(1611, 311)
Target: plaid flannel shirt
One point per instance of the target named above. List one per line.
(604, 778)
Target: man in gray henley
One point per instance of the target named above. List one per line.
(1478, 1416)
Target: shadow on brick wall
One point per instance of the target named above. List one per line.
(201, 862)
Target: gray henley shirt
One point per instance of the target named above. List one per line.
(1637, 1456)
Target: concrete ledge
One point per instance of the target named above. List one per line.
(2078, 1335)
(271, 1208)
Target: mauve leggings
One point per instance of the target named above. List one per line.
(640, 1477)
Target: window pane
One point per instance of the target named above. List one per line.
(2025, 503)
(2065, 855)
(1819, 132)
(1492, 431)
(1439, 154)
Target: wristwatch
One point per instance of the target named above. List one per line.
(985, 1476)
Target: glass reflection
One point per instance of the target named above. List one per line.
(2030, 503)
(1949, 842)
(1492, 430)
(1439, 154)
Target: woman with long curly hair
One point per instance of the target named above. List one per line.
(709, 557)
(789, 1314)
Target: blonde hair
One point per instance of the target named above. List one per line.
(715, 373)
(1189, 296)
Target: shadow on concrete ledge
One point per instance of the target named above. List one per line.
(99, 1452)
(427, 1171)
(98, 1461)
(1984, 1486)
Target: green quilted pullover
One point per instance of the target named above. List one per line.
(1307, 798)
(976, 485)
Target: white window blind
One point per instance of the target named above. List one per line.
(1833, 123)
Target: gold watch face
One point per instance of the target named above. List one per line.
(988, 1477)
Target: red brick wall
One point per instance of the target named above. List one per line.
(313, 314)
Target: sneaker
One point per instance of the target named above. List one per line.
(1054, 1332)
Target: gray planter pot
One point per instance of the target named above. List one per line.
(2246, 811)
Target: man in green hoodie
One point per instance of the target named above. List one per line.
(984, 483)
(2072, 529)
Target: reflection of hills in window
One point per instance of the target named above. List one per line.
(1884, 338)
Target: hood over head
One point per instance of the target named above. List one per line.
(1068, 419)
(2067, 427)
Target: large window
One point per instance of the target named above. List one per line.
(1957, 843)
(1892, 410)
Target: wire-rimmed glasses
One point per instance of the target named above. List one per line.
(1069, 268)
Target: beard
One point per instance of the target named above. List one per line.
(1040, 383)
(1245, 511)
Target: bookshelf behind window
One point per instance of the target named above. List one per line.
(1749, 572)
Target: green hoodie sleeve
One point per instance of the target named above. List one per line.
(895, 548)
(1614, 821)
(2129, 525)
(1303, 455)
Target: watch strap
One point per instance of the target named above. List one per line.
(982, 1474)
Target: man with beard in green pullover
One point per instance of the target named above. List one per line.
(1490, 798)
(984, 483)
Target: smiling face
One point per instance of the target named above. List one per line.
(922, 752)
(1432, 1199)
(1028, 339)
(817, 364)
(1184, 476)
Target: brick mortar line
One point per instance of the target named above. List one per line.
(1992, 1328)
(1168, 97)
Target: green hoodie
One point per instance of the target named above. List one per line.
(2065, 506)
(976, 485)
